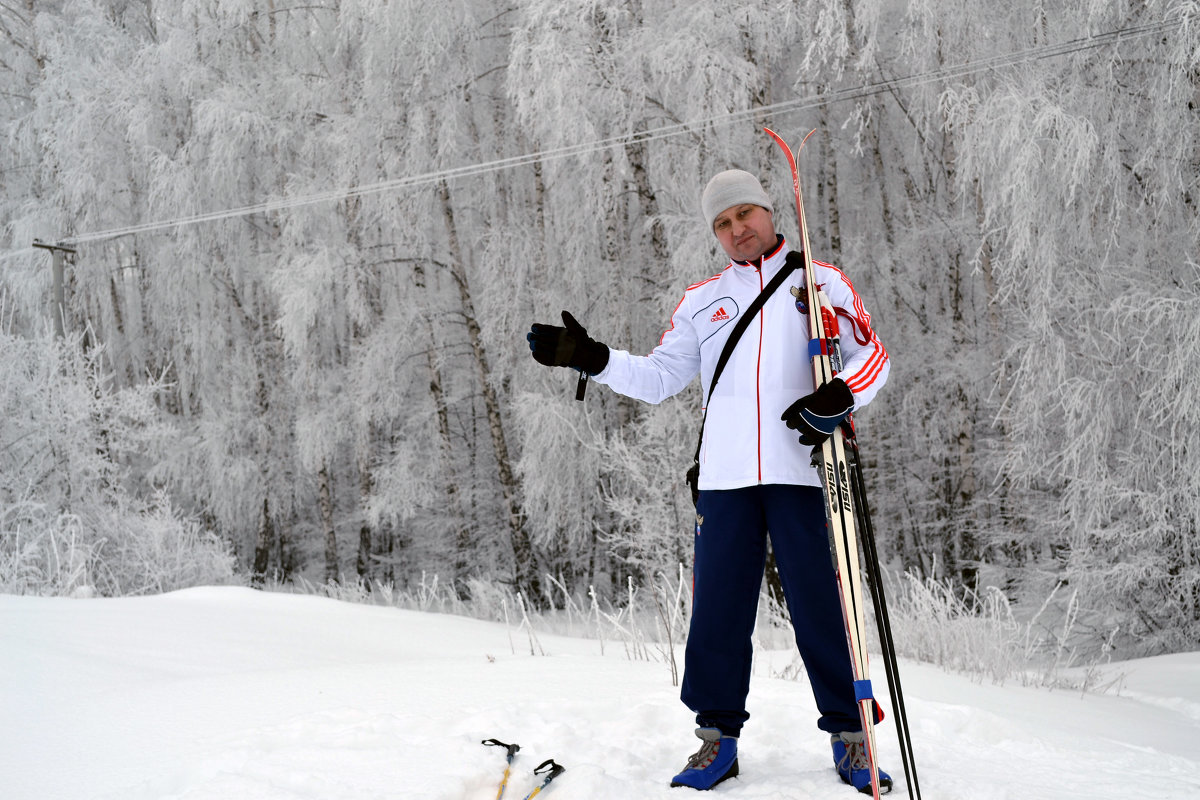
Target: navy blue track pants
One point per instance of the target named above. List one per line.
(731, 550)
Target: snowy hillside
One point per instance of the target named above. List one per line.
(230, 693)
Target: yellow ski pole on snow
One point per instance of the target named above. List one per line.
(512, 751)
(552, 770)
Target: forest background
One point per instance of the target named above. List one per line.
(308, 239)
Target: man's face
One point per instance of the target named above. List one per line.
(745, 231)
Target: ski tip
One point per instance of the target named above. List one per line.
(784, 144)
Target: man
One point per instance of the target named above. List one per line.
(756, 477)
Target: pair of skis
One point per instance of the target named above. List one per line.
(549, 768)
(838, 463)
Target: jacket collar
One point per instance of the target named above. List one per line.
(770, 259)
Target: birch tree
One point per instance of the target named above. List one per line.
(1099, 427)
(1012, 191)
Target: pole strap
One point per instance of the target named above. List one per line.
(511, 749)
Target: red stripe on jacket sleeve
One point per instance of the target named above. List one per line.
(861, 319)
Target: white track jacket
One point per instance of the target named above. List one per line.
(745, 441)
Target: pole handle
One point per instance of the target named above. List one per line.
(510, 748)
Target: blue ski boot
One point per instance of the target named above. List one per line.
(850, 758)
(716, 761)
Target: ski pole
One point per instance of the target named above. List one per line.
(883, 621)
(512, 751)
(552, 770)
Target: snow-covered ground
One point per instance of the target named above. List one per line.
(230, 693)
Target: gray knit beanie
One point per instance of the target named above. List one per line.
(732, 188)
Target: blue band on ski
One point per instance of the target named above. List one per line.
(862, 691)
(814, 348)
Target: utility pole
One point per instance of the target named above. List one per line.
(58, 307)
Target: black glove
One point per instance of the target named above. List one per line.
(567, 347)
(817, 415)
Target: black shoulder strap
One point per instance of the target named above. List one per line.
(739, 327)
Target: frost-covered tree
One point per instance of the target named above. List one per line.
(73, 520)
(625, 218)
(401, 188)
(1090, 189)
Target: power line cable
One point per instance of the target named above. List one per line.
(861, 91)
(25, 251)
